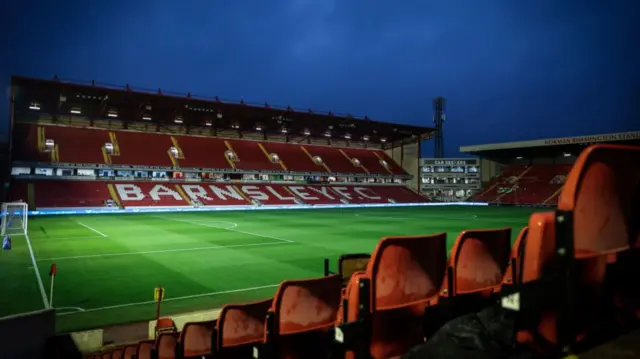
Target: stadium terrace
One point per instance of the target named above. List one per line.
(148, 224)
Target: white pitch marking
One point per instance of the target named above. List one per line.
(74, 309)
(65, 238)
(172, 299)
(160, 251)
(92, 229)
(226, 229)
(45, 300)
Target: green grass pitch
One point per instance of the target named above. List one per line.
(109, 265)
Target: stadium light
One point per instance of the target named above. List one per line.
(365, 138)
(383, 139)
(76, 111)
(178, 120)
(146, 118)
(235, 126)
(34, 106)
(219, 115)
(112, 114)
(306, 132)
(327, 134)
(208, 123)
(347, 136)
(566, 154)
(519, 158)
(284, 130)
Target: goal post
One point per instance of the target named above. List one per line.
(14, 218)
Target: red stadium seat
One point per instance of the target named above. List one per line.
(299, 322)
(165, 346)
(144, 349)
(240, 327)
(195, 339)
(569, 253)
(129, 351)
(513, 274)
(403, 277)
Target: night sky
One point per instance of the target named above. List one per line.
(510, 70)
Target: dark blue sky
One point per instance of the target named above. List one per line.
(511, 70)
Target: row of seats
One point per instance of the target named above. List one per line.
(44, 194)
(536, 184)
(85, 145)
(570, 278)
(298, 322)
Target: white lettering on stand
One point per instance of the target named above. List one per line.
(300, 192)
(161, 190)
(224, 193)
(129, 192)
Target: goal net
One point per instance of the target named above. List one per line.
(14, 218)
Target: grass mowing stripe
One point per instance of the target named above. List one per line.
(92, 229)
(226, 229)
(161, 251)
(173, 299)
(45, 300)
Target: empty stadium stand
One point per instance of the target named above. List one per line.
(536, 184)
(87, 145)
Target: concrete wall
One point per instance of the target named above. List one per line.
(410, 162)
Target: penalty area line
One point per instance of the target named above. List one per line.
(210, 294)
(92, 229)
(160, 251)
(232, 229)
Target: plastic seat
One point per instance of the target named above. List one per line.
(165, 325)
(475, 270)
(129, 351)
(513, 274)
(117, 353)
(386, 304)
(144, 349)
(165, 346)
(302, 316)
(563, 302)
(195, 339)
(240, 327)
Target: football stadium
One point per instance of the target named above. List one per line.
(140, 224)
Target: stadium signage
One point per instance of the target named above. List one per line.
(626, 136)
(129, 192)
(448, 162)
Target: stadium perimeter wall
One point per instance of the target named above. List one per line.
(112, 210)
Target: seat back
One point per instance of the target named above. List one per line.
(240, 327)
(478, 261)
(129, 351)
(601, 197)
(117, 353)
(537, 325)
(302, 313)
(144, 348)
(165, 346)
(195, 339)
(599, 191)
(165, 325)
(514, 270)
(406, 276)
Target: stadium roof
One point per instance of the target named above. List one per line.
(552, 147)
(96, 100)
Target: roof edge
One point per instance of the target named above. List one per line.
(609, 137)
